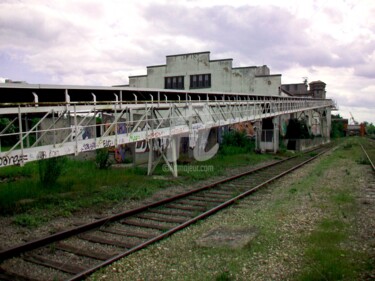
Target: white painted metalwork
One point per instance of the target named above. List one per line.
(139, 121)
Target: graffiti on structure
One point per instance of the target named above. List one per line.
(106, 143)
(86, 133)
(88, 147)
(244, 127)
(82, 133)
(120, 153)
(141, 146)
(54, 153)
(154, 135)
(41, 155)
(134, 138)
(13, 160)
(121, 128)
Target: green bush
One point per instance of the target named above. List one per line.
(50, 169)
(370, 128)
(102, 159)
(235, 142)
(337, 130)
(297, 129)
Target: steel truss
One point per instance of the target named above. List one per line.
(71, 127)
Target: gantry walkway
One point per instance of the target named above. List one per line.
(62, 127)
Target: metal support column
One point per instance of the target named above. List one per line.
(276, 122)
(150, 167)
(174, 156)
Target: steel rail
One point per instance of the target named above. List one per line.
(32, 245)
(168, 233)
(369, 158)
(18, 250)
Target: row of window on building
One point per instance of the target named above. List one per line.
(196, 82)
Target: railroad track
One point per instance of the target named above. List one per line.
(76, 253)
(368, 148)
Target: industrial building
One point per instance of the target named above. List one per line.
(315, 89)
(197, 72)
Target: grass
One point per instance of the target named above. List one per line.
(327, 259)
(83, 185)
(29, 221)
(325, 255)
(224, 276)
(321, 205)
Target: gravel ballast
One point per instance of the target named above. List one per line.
(287, 214)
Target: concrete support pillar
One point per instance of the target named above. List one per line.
(133, 152)
(150, 157)
(258, 134)
(328, 122)
(174, 156)
(276, 124)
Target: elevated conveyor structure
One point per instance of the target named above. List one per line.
(65, 119)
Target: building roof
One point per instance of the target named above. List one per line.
(187, 54)
(285, 91)
(158, 65)
(220, 60)
(134, 76)
(269, 75)
(317, 82)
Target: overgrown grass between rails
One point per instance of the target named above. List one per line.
(326, 258)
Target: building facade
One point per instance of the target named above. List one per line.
(197, 72)
(316, 89)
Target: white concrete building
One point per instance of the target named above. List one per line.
(196, 72)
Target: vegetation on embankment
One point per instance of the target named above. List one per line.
(39, 191)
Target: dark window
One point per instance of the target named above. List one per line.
(200, 81)
(207, 80)
(193, 81)
(180, 84)
(168, 82)
(176, 82)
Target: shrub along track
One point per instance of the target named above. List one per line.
(76, 253)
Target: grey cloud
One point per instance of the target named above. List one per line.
(37, 27)
(360, 100)
(367, 71)
(246, 28)
(269, 33)
(28, 24)
(62, 44)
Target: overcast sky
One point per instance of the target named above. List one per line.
(95, 42)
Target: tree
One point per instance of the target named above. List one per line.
(9, 140)
(297, 129)
(337, 127)
(370, 128)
